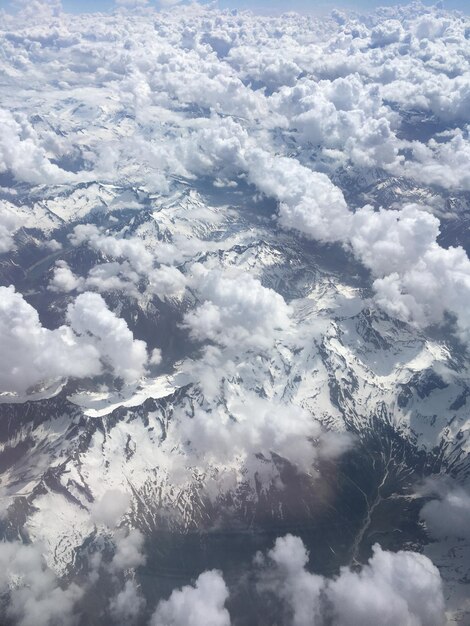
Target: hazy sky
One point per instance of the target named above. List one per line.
(314, 6)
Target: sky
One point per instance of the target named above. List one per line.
(275, 6)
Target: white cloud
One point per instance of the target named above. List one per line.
(36, 10)
(9, 223)
(441, 163)
(127, 605)
(287, 577)
(137, 263)
(448, 514)
(131, 3)
(387, 32)
(236, 310)
(287, 107)
(201, 605)
(32, 353)
(103, 277)
(64, 279)
(89, 316)
(110, 508)
(35, 596)
(309, 202)
(392, 241)
(129, 545)
(22, 154)
(392, 588)
(251, 426)
(95, 337)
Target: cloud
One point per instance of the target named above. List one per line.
(95, 339)
(311, 114)
(201, 605)
(34, 354)
(38, 9)
(110, 508)
(308, 201)
(251, 426)
(127, 605)
(168, 3)
(64, 279)
(35, 597)
(136, 263)
(401, 588)
(388, 241)
(22, 154)
(385, 241)
(287, 577)
(386, 33)
(236, 309)
(448, 514)
(131, 3)
(128, 554)
(392, 588)
(441, 163)
(9, 223)
(32, 594)
(89, 316)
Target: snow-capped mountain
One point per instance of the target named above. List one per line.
(234, 317)
(397, 396)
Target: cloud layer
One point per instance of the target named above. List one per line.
(167, 151)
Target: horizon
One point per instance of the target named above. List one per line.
(259, 6)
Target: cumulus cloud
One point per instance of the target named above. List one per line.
(201, 605)
(402, 588)
(287, 576)
(131, 3)
(35, 597)
(343, 112)
(253, 426)
(110, 508)
(236, 309)
(385, 241)
(89, 316)
(135, 263)
(22, 154)
(129, 550)
(33, 353)
(392, 241)
(127, 605)
(441, 163)
(386, 33)
(94, 339)
(9, 223)
(64, 279)
(308, 201)
(38, 9)
(448, 513)
(392, 588)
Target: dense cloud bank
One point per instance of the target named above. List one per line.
(120, 112)
(284, 104)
